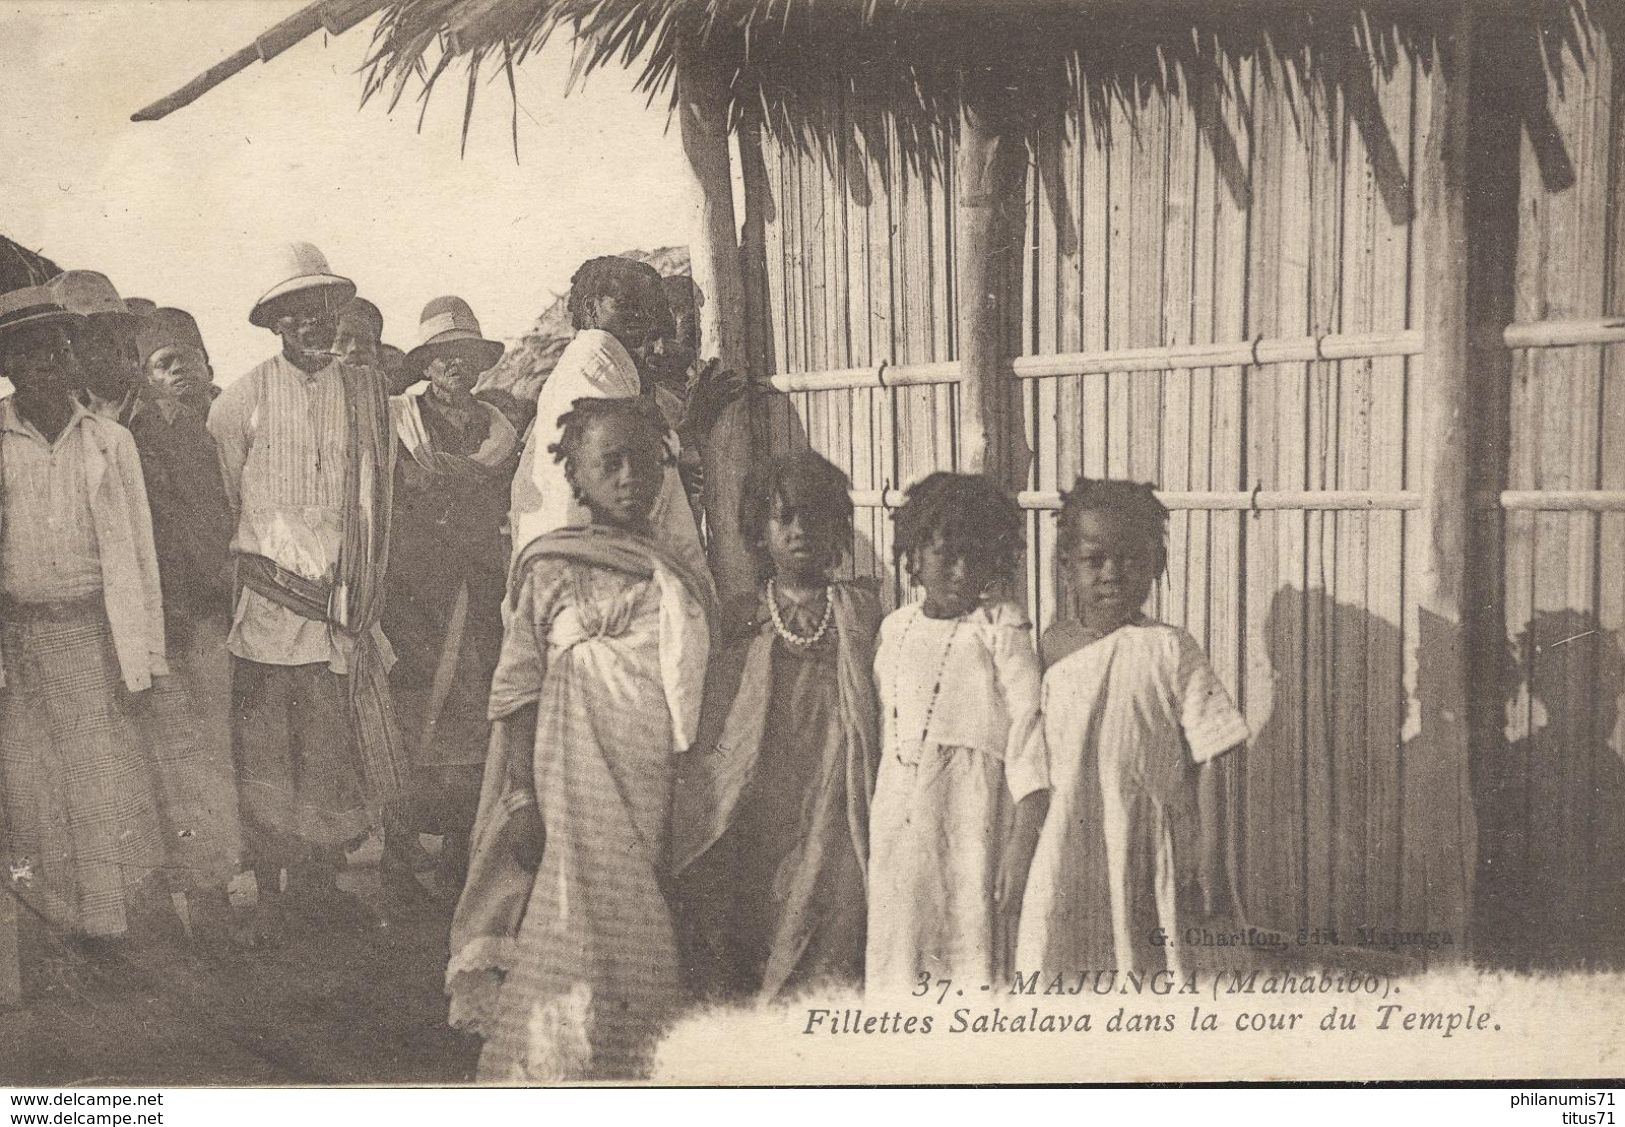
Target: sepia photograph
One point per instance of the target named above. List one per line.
(712, 543)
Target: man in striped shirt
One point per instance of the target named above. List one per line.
(304, 446)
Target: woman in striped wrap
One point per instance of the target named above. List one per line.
(563, 950)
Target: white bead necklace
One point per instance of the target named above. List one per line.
(936, 688)
(791, 638)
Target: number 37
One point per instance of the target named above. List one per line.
(923, 986)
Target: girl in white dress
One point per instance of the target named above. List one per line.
(961, 791)
(1130, 706)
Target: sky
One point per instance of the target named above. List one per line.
(190, 210)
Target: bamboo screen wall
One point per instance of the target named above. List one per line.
(1184, 217)
(1556, 784)
(1285, 228)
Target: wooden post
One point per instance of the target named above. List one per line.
(990, 175)
(753, 245)
(1439, 824)
(714, 253)
(1500, 904)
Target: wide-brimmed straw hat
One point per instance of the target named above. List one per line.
(300, 267)
(450, 321)
(88, 293)
(31, 305)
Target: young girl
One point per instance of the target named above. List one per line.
(1130, 707)
(963, 774)
(772, 812)
(564, 957)
(616, 306)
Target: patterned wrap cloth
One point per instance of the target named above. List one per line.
(83, 830)
(570, 972)
(90, 719)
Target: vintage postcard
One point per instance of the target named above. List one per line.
(761, 542)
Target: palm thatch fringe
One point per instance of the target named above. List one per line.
(908, 65)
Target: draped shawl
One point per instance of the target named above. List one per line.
(494, 900)
(718, 772)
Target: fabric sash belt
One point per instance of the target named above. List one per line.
(67, 610)
(308, 598)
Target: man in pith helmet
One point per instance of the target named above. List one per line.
(308, 458)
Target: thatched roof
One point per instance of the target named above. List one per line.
(21, 267)
(913, 61)
(818, 71)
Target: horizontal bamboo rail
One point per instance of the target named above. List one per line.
(1236, 501)
(1564, 334)
(1317, 500)
(1259, 501)
(884, 375)
(1224, 354)
(1563, 500)
(1263, 350)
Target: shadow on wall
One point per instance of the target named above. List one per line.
(1316, 799)
(1342, 817)
(1551, 796)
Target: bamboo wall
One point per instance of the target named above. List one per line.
(1188, 214)
(859, 271)
(1558, 780)
(1155, 234)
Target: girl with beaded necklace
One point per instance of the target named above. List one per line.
(772, 807)
(963, 780)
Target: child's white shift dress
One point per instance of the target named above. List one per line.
(1126, 719)
(960, 745)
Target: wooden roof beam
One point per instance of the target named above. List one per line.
(334, 16)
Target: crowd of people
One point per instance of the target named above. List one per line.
(349, 594)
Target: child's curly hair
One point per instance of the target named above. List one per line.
(609, 276)
(975, 518)
(813, 480)
(583, 413)
(1135, 501)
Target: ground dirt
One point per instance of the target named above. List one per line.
(336, 1004)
